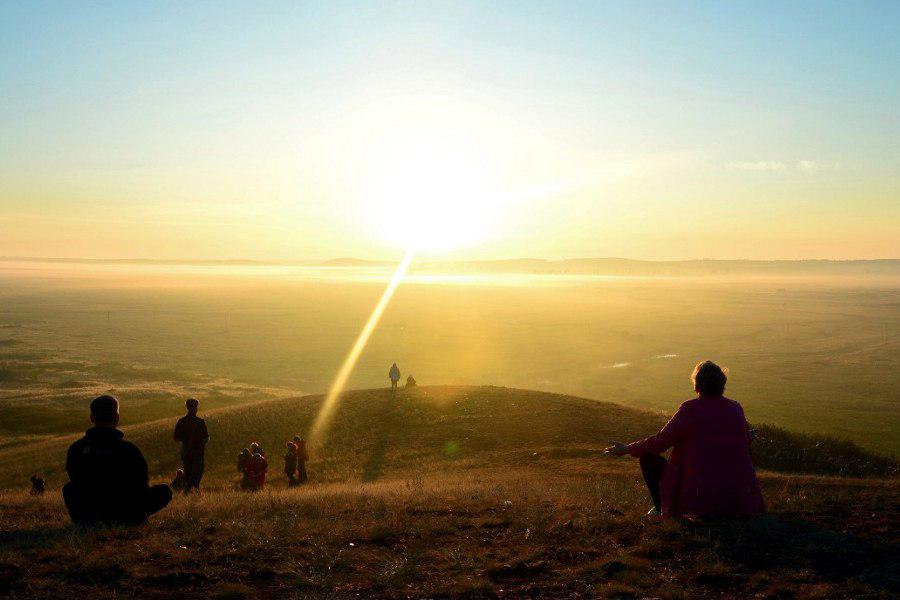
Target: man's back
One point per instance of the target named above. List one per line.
(110, 474)
(191, 431)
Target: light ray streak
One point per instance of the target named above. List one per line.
(326, 413)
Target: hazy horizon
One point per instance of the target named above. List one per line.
(433, 259)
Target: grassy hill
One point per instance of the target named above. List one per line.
(376, 433)
(457, 492)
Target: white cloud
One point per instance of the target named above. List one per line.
(809, 166)
(757, 165)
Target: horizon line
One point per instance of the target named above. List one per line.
(351, 260)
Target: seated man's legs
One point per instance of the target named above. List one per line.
(126, 511)
(76, 504)
(652, 467)
(157, 498)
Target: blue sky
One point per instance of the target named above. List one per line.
(737, 116)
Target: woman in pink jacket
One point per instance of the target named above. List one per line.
(710, 472)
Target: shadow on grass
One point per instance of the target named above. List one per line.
(382, 426)
(35, 537)
(785, 542)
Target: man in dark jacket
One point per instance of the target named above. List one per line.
(191, 432)
(108, 480)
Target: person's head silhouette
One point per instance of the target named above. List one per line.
(105, 411)
(192, 404)
(709, 378)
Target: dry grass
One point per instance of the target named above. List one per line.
(449, 492)
(567, 527)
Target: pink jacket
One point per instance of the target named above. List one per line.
(710, 471)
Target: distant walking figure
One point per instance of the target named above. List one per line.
(290, 464)
(302, 457)
(191, 432)
(394, 374)
(710, 472)
(108, 479)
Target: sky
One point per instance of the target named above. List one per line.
(306, 131)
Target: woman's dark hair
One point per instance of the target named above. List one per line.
(709, 378)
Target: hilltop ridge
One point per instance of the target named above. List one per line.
(376, 433)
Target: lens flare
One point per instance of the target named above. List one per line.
(326, 412)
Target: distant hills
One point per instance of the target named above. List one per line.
(575, 266)
(631, 267)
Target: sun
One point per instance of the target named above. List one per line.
(430, 191)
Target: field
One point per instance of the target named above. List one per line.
(459, 492)
(451, 490)
(811, 353)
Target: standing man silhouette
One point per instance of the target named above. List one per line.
(191, 432)
(394, 374)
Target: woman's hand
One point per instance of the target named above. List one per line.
(617, 448)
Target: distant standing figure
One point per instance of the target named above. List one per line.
(108, 478)
(302, 458)
(394, 374)
(191, 432)
(410, 381)
(37, 486)
(290, 464)
(710, 472)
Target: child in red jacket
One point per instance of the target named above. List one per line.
(256, 471)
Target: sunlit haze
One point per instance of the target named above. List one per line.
(474, 130)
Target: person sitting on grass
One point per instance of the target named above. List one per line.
(290, 464)
(256, 471)
(108, 478)
(243, 460)
(302, 458)
(710, 472)
(410, 381)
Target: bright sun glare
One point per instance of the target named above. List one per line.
(425, 192)
(430, 192)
